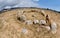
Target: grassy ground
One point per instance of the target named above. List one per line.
(10, 26)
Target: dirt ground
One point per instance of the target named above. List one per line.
(11, 27)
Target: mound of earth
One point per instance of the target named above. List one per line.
(12, 27)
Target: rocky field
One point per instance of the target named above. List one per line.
(26, 23)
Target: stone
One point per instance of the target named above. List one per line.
(42, 22)
(19, 13)
(53, 27)
(43, 13)
(47, 27)
(24, 31)
(28, 22)
(38, 29)
(23, 18)
(48, 17)
(36, 21)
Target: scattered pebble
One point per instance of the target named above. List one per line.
(42, 22)
(28, 22)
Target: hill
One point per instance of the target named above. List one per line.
(11, 25)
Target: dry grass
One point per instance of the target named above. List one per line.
(10, 26)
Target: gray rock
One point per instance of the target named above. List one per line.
(43, 12)
(23, 18)
(53, 27)
(24, 30)
(28, 22)
(19, 13)
(47, 27)
(36, 21)
(42, 22)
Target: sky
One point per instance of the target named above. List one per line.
(51, 4)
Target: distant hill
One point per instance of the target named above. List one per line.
(29, 7)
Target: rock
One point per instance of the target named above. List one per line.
(23, 18)
(53, 27)
(24, 31)
(36, 21)
(38, 29)
(43, 13)
(47, 27)
(42, 22)
(19, 13)
(28, 22)
(48, 17)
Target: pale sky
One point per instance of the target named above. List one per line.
(52, 4)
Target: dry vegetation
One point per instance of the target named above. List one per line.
(11, 27)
